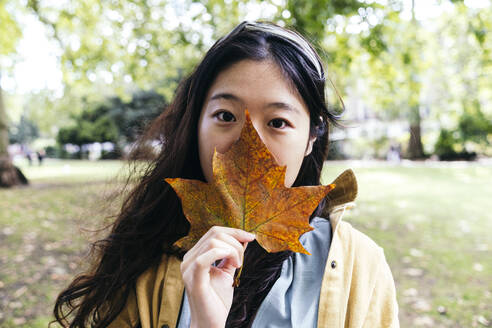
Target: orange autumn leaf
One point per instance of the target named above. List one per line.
(248, 193)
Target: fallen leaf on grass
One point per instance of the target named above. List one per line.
(19, 258)
(19, 321)
(413, 272)
(416, 252)
(406, 259)
(411, 292)
(7, 231)
(31, 280)
(482, 320)
(15, 305)
(423, 321)
(19, 292)
(442, 310)
(478, 267)
(422, 305)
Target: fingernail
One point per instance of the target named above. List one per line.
(252, 235)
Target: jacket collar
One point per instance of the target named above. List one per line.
(341, 198)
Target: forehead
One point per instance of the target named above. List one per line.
(255, 79)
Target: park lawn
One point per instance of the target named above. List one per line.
(70, 171)
(44, 234)
(433, 222)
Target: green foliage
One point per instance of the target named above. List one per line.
(446, 144)
(474, 129)
(113, 120)
(111, 46)
(133, 116)
(459, 86)
(310, 17)
(474, 126)
(23, 132)
(450, 147)
(374, 43)
(11, 32)
(394, 68)
(92, 126)
(395, 64)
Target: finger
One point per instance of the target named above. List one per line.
(205, 260)
(221, 239)
(212, 243)
(240, 235)
(206, 244)
(218, 243)
(233, 242)
(224, 263)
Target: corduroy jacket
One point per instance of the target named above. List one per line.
(357, 290)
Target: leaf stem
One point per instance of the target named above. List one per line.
(238, 275)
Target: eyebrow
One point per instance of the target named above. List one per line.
(224, 95)
(277, 104)
(282, 105)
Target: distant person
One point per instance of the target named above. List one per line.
(139, 279)
(394, 153)
(28, 155)
(40, 154)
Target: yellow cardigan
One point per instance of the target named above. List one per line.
(357, 288)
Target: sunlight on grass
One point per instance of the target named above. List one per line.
(54, 170)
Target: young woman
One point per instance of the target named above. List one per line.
(141, 280)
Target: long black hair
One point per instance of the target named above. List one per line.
(151, 218)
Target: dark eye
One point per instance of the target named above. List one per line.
(277, 123)
(226, 116)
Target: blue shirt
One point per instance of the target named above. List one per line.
(293, 299)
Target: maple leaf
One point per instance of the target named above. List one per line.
(248, 192)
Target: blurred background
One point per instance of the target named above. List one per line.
(80, 79)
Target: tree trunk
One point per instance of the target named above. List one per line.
(415, 148)
(9, 174)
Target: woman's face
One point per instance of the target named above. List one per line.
(276, 109)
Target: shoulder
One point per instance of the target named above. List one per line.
(357, 280)
(166, 271)
(362, 254)
(157, 288)
(357, 241)
(159, 268)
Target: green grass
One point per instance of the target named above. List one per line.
(435, 225)
(433, 222)
(44, 234)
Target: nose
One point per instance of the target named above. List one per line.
(262, 130)
(257, 124)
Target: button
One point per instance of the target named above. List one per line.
(333, 264)
(165, 326)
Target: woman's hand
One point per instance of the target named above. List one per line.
(208, 288)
